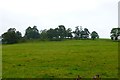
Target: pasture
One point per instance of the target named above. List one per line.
(60, 59)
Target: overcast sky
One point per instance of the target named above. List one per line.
(96, 15)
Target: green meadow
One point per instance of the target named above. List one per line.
(60, 59)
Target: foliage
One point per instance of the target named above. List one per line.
(11, 36)
(81, 34)
(57, 34)
(77, 32)
(69, 33)
(62, 31)
(115, 32)
(43, 34)
(53, 34)
(32, 33)
(94, 35)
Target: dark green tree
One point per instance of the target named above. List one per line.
(43, 34)
(11, 36)
(19, 35)
(51, 33)
(94, 35)
(84, 34)
(28, 33)
(115, 32)
(32, 33)
(69, 33)
(86, 31)
(80, 33)
(62, 31)
(77, 32)
(54, 34)
(36, 34)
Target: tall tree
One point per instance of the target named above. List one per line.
(69, 33)
(32, 33)
(19, 35)
(54, 34)
(36, 34)
(43, 34)
(28, 33)
(62, 31)
(51, 33)
(85, 34)
(11, 36)
(77, 32)
(86, 31)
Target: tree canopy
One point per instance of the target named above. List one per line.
(32, 33)
(80, 33)
(115, 33)
(11, 36)
(94, 35)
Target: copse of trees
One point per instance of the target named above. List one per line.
(11, 36)
(56, 34)
(59, 33)
(53, 34)
(32, 33)
(80, 33)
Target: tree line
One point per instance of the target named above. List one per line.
(56, 34)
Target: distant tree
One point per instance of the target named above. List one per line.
(28, 33)
(62, 31)
(43, 34)
(84, 33)
(77, 32)
(36, 34)
(11, 36)
(94, 35)
(69, 33)
(115, 33)
(32, 33)
(80, 33)
(51, 33)
(19, 35)
(54, 34)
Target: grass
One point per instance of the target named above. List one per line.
(61, 59)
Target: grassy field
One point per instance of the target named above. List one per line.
(61, 59)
